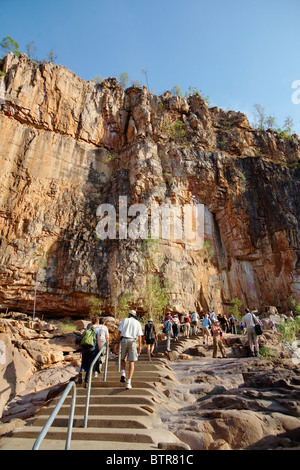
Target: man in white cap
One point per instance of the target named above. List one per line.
(130, 331)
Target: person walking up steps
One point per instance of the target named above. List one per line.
(150, 337)
(249, 321)
(168, 330)
(187, 325)
(89, 350)
(206, 322)
(176, 327)
(129, 331)
(102, 337)
(195, 319)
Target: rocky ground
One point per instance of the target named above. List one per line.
(215, 404)
(236, 402)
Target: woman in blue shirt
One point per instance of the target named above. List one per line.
(206, 322)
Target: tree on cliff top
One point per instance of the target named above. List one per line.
(9, 45)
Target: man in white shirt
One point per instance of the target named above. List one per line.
(212, 316)
(249, 321)
(130, 331)
(195, 318)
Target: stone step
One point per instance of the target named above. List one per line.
(103, 410)
(110, 400)
(89, 433)
(114, 391)
(14, 443)
(116, 384)
(115, 422)
(92, 439)
(141, 374)
(118, 418)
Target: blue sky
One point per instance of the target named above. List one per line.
(238, 52)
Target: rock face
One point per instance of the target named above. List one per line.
(68, 146)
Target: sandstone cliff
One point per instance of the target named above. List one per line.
(68, 145)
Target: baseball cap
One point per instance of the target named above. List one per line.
(132, 312)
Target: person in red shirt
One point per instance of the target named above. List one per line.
(187, 325)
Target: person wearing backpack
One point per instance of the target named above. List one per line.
(150, 337)
(168, 330)
(102, 337)
(88, 350)
(249, 321)
(233, 321)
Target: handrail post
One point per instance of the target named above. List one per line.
(71, 419)
(87, 403)
(53, 415)
(106, 363)
(119, 357)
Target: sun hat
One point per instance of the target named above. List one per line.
(132, 312)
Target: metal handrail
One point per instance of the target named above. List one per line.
(87, 404)
(53, 416)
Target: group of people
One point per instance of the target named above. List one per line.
(130, 335)
(214, 326)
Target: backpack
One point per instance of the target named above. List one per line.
(167, 327)
(89, 337)
(149, 331)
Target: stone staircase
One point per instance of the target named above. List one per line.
(119, 419)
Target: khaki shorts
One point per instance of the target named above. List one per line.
(252, 336)
(206, 332)
(129, 350)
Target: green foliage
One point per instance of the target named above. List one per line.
(194, 91)
(290, 329)
(97, 79)
(9, 45)
(207, 250)
(263, 122)
(95, 304)
(123, 79)
(67, 327)
(176, 91)
(266, 352)
(234, 308)
(296, 306)
(177, 130)
(155, 294)
(111, 158)
(123, 304)
(155, 297)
